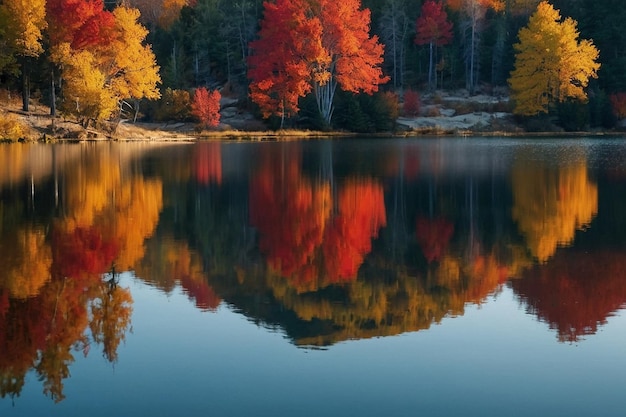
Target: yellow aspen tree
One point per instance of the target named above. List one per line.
(551, 64)
(133, 71)
(25, 21)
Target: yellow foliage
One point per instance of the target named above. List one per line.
(85, 90)
(137, 207)
(26, 262)
(550, 205)
(551, 65)
(134, 71)
(126, 208)
(27, 20)
(97, 80)
(12, 128)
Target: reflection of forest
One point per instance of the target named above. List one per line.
(311, 237)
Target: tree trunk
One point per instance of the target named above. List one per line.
(25, 86)
(325, 95)
(53, 97)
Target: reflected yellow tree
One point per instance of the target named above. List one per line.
(551, 204)
(25, 262)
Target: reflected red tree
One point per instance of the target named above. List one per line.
(433, 236)
(298, 235)
(208, 163)
(361, 214)
(575, 292)
(290, 213)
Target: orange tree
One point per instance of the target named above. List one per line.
(313, 45)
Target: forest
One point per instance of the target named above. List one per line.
(314, 64)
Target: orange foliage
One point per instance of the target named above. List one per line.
(312, 43)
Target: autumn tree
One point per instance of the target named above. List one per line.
(25, 21)
(104, 60)
(313, 46)
(206, 107)
(278, 67)
(551, 64)
(433, 29)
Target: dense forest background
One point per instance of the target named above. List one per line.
(205, 43)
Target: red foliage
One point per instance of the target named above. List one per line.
(82, 23)
(433, 236)
(361, 215)
(575, 292)
(83, 252)
(618, 103)
(278, 80)
(285, 207)
(411, 105)
(433, 26)
(96, 30)
(201, 292)
(206, 107)
(297, 234)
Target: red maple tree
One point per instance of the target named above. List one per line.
(206, 107)
(433, 29)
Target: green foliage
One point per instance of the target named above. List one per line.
(600, 111)
(363, 113)
(573, 115)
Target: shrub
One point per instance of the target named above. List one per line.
(411, 105)
(206, 107)
(174, 105)
(618, 104)
(12, 128)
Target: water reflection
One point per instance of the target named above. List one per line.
(327, 241)
(552, 201)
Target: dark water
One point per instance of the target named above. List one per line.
(436, 277)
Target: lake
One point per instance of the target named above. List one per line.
(371, 277)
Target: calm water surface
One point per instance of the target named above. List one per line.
(436, 277)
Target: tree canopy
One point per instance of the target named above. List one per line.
(551, 65)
